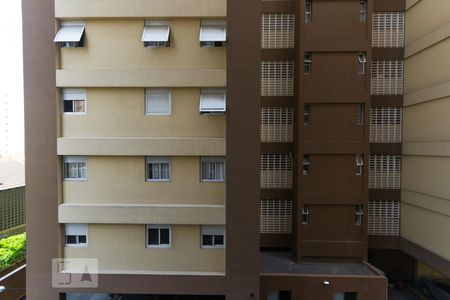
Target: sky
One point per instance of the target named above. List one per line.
(11, 80)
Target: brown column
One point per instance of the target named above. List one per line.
(243, 112)
(40, 147)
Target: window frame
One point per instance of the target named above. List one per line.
(360, 114)
(159, 227)
(206, 91)
(206, 43)
(305, 214)
(307, 114)
(74, 159)
(78, 244)
(307, 63)
(359, 165)
(68, 91)
(157, 44)
(213, 228)
(362, 10)
(211, 159)
(71, 43)
(306, 164)
(308, 11)
(359, 213)
(362, 62)
(158, 160)
(151, 91)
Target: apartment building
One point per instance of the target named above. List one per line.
(216, 149)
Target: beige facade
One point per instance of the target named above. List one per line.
(139, 9)
(122, 180)
(120, 112)
(425, 210)
(121, 249)
(116, 45)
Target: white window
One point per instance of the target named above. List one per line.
(213, 33)
(212, 169)
(362, 63)
(358, 214)
(159, 236)
(213, 236)
(307, 114)
(75, 235)
(306, 164)
(359, 164)
(305, 214)
(388, 29)
(360, 114)
(307, 63)
(308, 11)
(74, 101)
(387, 77)
(156, 34)
(158, 168)
(362, 10)
(158, 102)
(213, 101)
(75, 168)
(277, 30)
(70, 35)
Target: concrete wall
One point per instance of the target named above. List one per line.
(122, 180)
(122, 249)
(425, 210)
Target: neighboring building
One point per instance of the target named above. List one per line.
(12, 197)
(425, 218)
(238, 149)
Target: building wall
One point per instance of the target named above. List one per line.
(425, 194)
(130, 255)
(115, 44)
(122, 180)
(120, 112)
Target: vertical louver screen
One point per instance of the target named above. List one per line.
(277, 124)
(387, 77)
(384, 172)
(275, 216)
(277, 78)
(386, 125)
(276, 171)
(388, 29)
(277, 30)
(384, 218)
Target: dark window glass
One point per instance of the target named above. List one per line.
(82, 239)
(218, 240)
(207, 240)
(350, 296)
(68, 106)
(153, 236)
(71, 239)
(284, 295)
(164, 236)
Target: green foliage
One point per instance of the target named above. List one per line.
(12, 249)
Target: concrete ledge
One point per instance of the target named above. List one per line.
(142, 146)
(426, 201)
(98, 213)
(139, 9)
(426, 148)
(428, 40)
(141, 78)
(431, 93)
